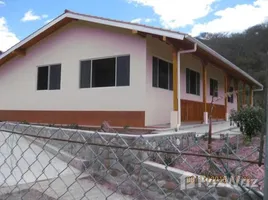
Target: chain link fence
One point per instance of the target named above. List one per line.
(46, 163)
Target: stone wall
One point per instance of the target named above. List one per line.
(121, 169)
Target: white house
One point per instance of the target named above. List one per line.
(84, 69)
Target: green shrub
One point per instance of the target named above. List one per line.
(249, 119)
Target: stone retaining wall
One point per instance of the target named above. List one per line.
(129, 171)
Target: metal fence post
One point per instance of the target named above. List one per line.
(266, 145)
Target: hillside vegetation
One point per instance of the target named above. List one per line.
(248, 50)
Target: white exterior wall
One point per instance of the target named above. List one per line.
(216, 74)
(76, 41)
(193, 63)
(159, 102)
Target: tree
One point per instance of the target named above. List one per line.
(247, 50)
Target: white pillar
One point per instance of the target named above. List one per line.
(179, 89)
(205, 117)
(227, 117)
(173, 119)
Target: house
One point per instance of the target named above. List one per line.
(84, 69)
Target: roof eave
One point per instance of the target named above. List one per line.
(102, 21)
(224, 60)
(22, 42)
(129, 26)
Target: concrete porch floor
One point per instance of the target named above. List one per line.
(185, 125)
(218, 127)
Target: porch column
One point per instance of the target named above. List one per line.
(251, 96)
(226, 88)
(237, 94)
(205, 114)
(175, 120)
(244, 94)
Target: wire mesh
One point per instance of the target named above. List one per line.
(43, 162)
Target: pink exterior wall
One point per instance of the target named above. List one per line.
(159, 102)
(234, 104)
(74, 42)
(79, 41)
(216, 74)
(191, 62)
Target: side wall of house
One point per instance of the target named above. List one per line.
(232, 106)
(77, 41)
(159, 102)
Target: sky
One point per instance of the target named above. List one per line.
(20, 18)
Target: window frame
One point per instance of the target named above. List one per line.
(170, 66)
(102, 58)
(48, 76)
(230, 99)
(217, 91)
(198, 92)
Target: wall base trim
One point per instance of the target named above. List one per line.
(114, 118)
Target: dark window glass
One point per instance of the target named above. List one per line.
(103, 72)
(231, 96)
(213, 87)
(42, 78)
(85, 71)
(197, 83)
(188, 80)
(155, 72)
(170, 77)
(55, 77)
(123, 70)
(163, 74)
(192, 82)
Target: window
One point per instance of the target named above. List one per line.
(192, 82)
(49, 77)
(106, 72)
(103, 72)
(162, 74)
(231, 96)
(213, 87)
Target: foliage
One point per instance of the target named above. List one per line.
(248, 50)
(168, 159)
(250, 120)
(73, 126)
(126, 127)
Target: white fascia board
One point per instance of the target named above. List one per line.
(36, 33)
(127, 26)
(217, 55)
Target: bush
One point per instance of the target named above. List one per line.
(249, 119)
(73, 126)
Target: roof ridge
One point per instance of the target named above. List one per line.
(122, 21)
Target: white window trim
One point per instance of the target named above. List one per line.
(48, 76)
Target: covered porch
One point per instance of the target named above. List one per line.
(236, 84)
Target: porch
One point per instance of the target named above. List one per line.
(218, 127)
(197, 88)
